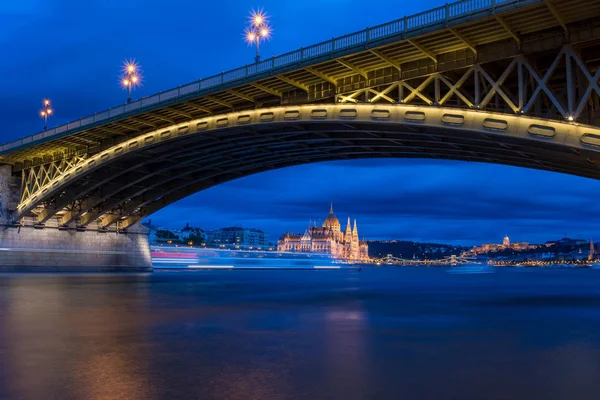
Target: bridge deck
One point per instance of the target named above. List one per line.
(442, 39)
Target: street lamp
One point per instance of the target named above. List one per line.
(131, 77)
(46, 112)
(258, 31)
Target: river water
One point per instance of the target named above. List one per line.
(386, 333)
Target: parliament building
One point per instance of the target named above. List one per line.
(327, 239)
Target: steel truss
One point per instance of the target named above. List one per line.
(558, 86)
(565, 89)
(36, 176)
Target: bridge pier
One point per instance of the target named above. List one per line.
(27, 246)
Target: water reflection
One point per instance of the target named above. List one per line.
(64, 335)
(384, 334)
(345, 332)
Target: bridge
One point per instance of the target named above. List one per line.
(512, 82)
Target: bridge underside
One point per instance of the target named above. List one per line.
(510, 84)
(129, 181)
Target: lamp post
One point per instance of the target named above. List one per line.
(46, 112)
(257, 31)
(131, 77)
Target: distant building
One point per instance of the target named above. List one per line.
(327, 239)
(160, 235)
(506, 245)
(192, 235)
(238, 236)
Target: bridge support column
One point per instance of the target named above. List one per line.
(27, 246)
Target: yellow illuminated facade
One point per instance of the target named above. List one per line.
(328, 239)
(506, 245)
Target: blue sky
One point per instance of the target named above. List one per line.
(72, 51)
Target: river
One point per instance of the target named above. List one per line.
(383, 333)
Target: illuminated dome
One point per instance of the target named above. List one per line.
(331, 222)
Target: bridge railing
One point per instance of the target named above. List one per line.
(404, 26)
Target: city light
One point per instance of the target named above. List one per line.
(258, 30)
(131, 77)
(46, 111)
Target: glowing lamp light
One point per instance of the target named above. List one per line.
(258, 18)
(257, 30)
(131, 77)
(570, 118)
(45, 113)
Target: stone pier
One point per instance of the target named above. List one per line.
(25, 246)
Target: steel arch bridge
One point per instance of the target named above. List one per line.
(500, 81)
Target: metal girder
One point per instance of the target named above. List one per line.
(496, 86)
(108, 219)
(126, 126)
(321, 75)
(454, 89)
(169, 120)
(508, 29)
(352, 67)
(592, 84)
(266, 89)
(292, 82)
(200, 108)
(418, 91)
(183, 114)
(542, 85)
(74, 212)
(241, 95)
(383, 94)
(557, 15)
(578, 86)
(462, 39)
(141, 121)
(351, 98)
(176, 192)
(386, 59)
(131, 178)
(234, 162)
(112, 185)
(220, 102)
(182, 180)
(423, 50)
(112, 131)
(35, 177)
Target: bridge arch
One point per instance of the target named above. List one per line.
(146, 173)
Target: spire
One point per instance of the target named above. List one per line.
(331, 208)
(355, 229)
(348, 231)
